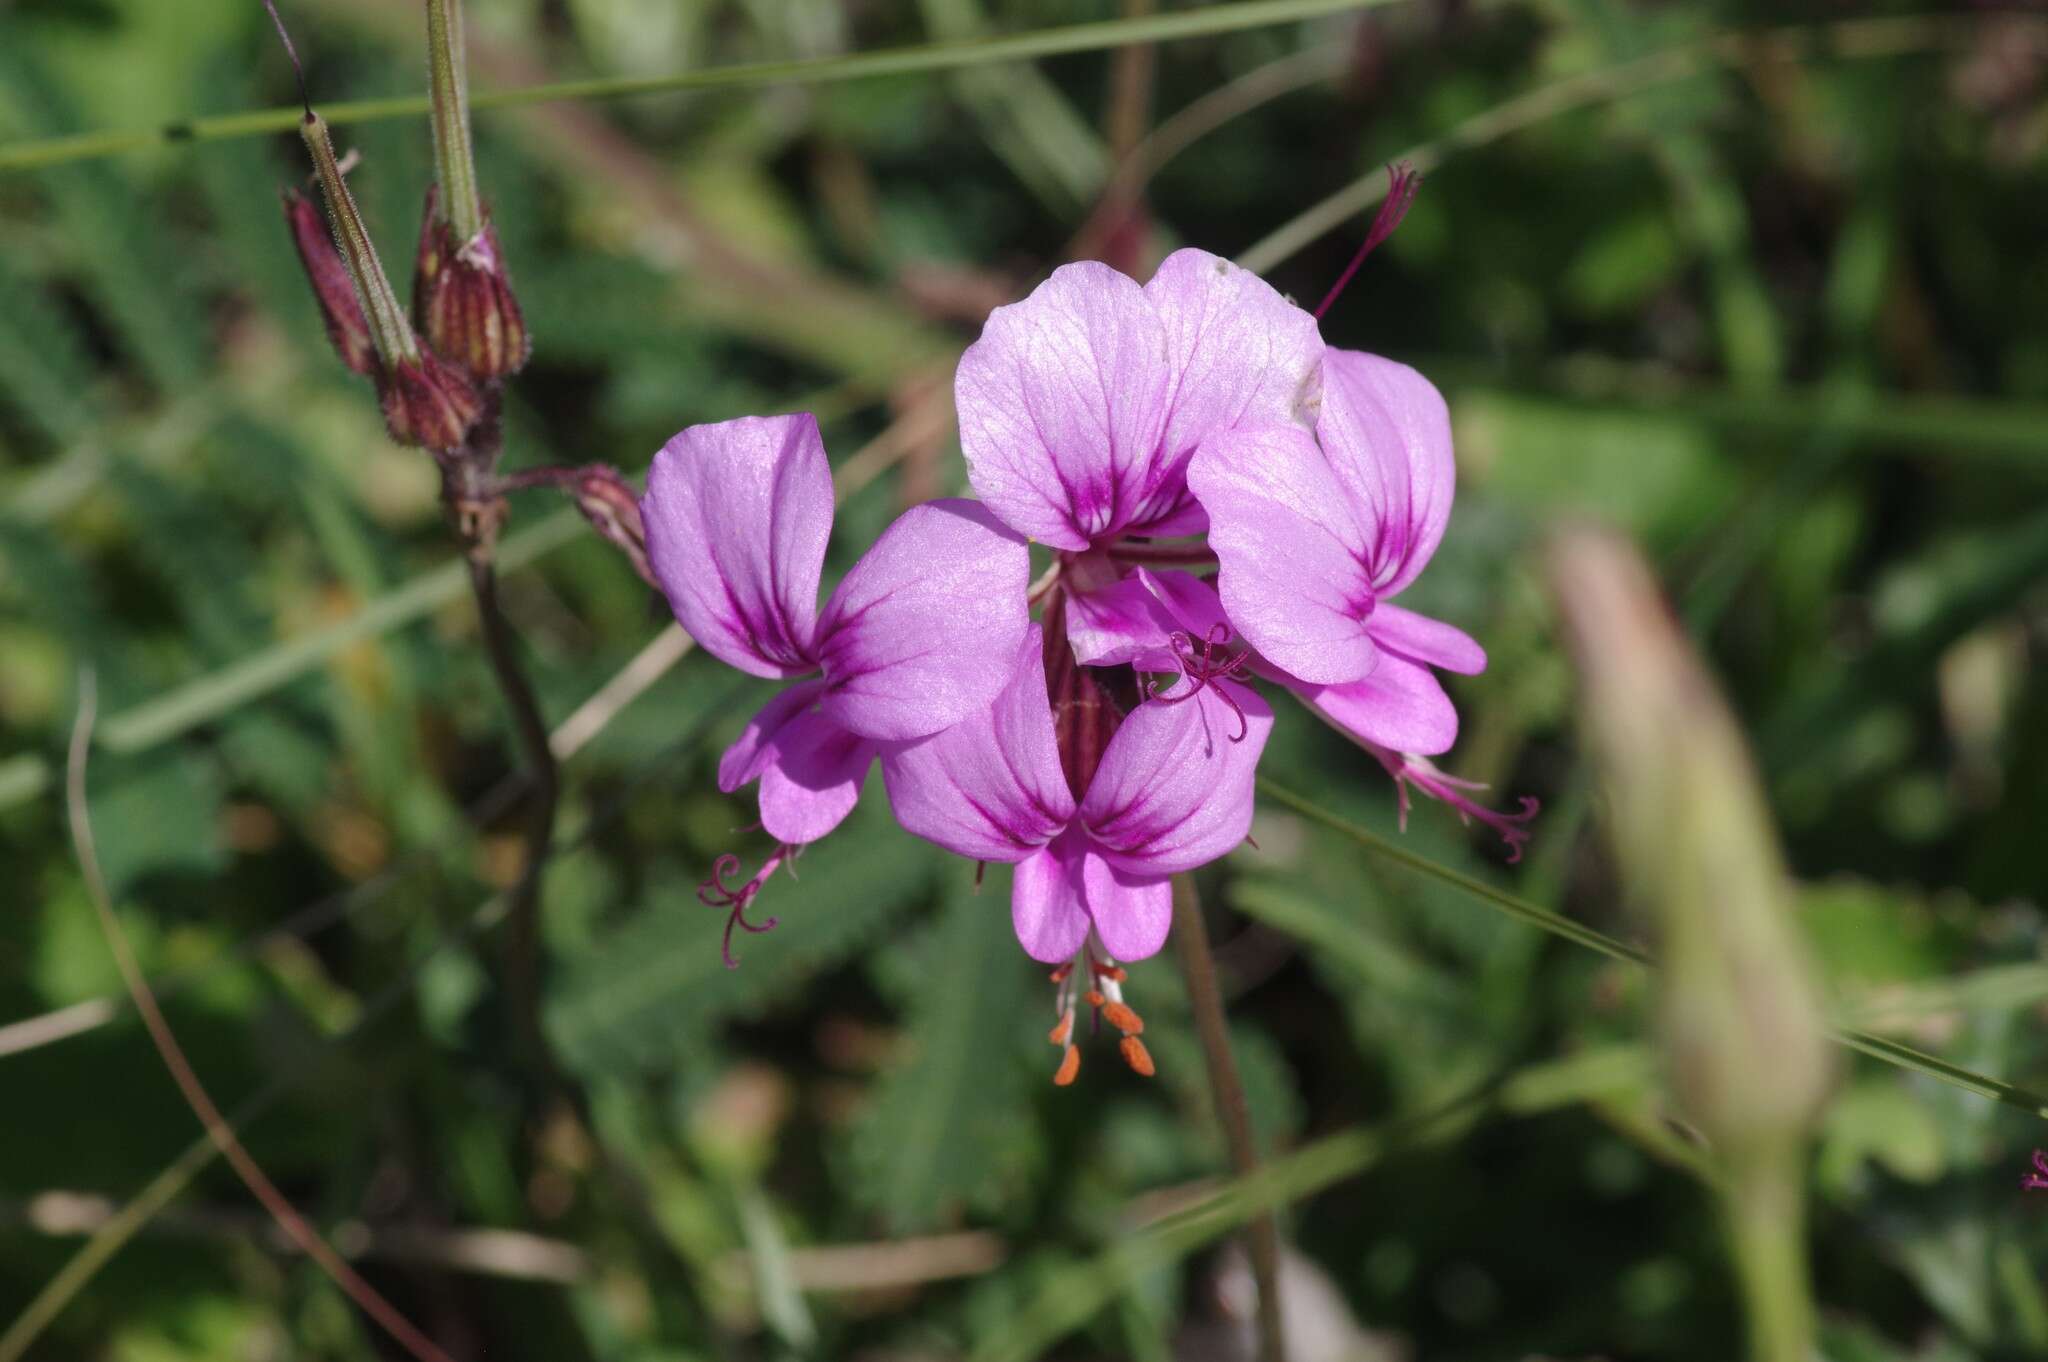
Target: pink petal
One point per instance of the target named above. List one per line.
(990, 787)
(1426, 640)
(1174, 791)
(1125, 622)
(1131, 911)
(1387, 433)
(1047, 904)
(1291, 552)
(1242, 357)
(815, 779)
(756, 751)
(922, 632)
(1190, 601)
(810, 768)
(1061, 405)
(1401, 706)
(737, 517)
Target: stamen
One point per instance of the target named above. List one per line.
(1106, 1004)
(1204, 671)
(1402, 182)
(1123, 1018)
(714, 892)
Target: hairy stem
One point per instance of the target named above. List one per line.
(448, 85)
(1262, 1233)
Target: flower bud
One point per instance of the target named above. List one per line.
(1743, 1023)
(428, 401)
(612, 508)
(339, 309)
(462, 299)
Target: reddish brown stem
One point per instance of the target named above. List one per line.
(218, 1130)
(1262, 1235)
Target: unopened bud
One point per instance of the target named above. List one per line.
(610, 506)
(429, 402)
(339, 308)
(462, 299)
(1742, 1015)
(425, 401)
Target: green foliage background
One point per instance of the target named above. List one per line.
(1777, 314)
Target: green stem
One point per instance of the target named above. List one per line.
(448, 86)
(1262, 1233)
(1766, 1211)
(947, 56)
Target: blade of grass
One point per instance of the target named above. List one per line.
(216, 693)
(1877, 1047)
(945, 56)
(1072, 1296)
(110, 1237)
(1849, 39)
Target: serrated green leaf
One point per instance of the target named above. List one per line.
(642, 999)
(950, 1123)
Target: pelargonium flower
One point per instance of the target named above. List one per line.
(1081, 406)
(1315, 534)
(737, 516)
(1094, 827)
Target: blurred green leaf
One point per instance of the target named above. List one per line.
(651, 993)
(949, 1124)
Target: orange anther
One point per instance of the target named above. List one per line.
(1123, 1019)
(1070, 1064)
(1115, 972)
(1059, 976)
(1137, 1056)
(1062, 1030)
(1095, 998)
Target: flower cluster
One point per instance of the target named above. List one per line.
(1143, 435)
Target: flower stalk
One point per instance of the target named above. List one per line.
(1740, 1010)
(1262, 1235)
(460, 205)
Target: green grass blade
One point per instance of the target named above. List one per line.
(945, 56)
(1877, 1047)
(1849, 39)
(216, 693)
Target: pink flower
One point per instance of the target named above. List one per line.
(1081, 406)
(1314, 537)
(1172, 791)
(914, 639)
(1095, 828)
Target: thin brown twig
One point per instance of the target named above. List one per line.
(1262, 1233)
(218, 1130)
(522, 937)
